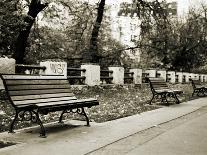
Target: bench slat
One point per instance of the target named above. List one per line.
(53, 104)
(34, 87)
(43, 96)
(45, 100)
(161, 89)
(29, 77)
(36, 82)
(161, 85)
(38, 92)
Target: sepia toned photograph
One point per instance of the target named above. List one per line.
(103, 77)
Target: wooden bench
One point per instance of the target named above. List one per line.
(161, 90)
(198, 88)
(32, 95)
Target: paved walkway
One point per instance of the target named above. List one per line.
(77, 139)
(183, 136)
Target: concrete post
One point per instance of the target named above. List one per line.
(92, 74)
(192, 75)
(7, 66)
(197, 76)
(187, 77)
(171, 76)
(151, 72)
(118, 75)
(54, 68)
(202, 78)
(137, 76)
(162, 74)
(205, 78)
(180, 77)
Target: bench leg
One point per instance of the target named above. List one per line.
(152, 99)
(205, 91)
(84, 114)
(164, 98)
(201, 93)
(193, 93)
(176, 98)
(38, 121)
(61, 116)
(13, 122)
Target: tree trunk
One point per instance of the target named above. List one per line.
(92, 54)
(34, 8)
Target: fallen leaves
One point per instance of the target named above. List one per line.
(115, 102)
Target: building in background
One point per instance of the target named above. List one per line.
(125, 24)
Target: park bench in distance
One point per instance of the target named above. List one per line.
(198, 88)
(161, 90)
(31, 95)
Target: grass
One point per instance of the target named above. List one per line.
(115, 102)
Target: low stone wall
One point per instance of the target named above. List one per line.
(91, 73)
(7, 66)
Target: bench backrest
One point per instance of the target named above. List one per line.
(31, 89)
(195, 83)
(157, 83)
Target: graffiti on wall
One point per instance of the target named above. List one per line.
(57, 68)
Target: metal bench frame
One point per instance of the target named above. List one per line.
(198, 88)
(31, 112)
(162, 91)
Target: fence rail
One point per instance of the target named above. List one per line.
(105, 76)
(29, 69)
(76, 69)
(74, 76)
(79, 76)
(128, 77)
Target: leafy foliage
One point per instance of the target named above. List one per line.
(173, 43)
(10, 24)
(69, 39)
(64, 31)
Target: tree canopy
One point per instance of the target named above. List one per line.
(77, 30)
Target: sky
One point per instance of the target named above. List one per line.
(183, 5)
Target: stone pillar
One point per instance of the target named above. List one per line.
(162, 74)
(180, 77)
(197, 76)
(137, 76)
(171, 76)
(151, 72)
(205, 78)
(192, 76)
(202, 78)
(92, 74)
(7, 66)
(118, 75)
(187, 77)
(54, 68)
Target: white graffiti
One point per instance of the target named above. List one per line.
(57, 68)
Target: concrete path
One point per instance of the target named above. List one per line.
(77, 139)
(187, 139)
(183, 136)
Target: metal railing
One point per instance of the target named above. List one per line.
(74, 76)
(128, 77)
(29, 69)
(106, 77)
